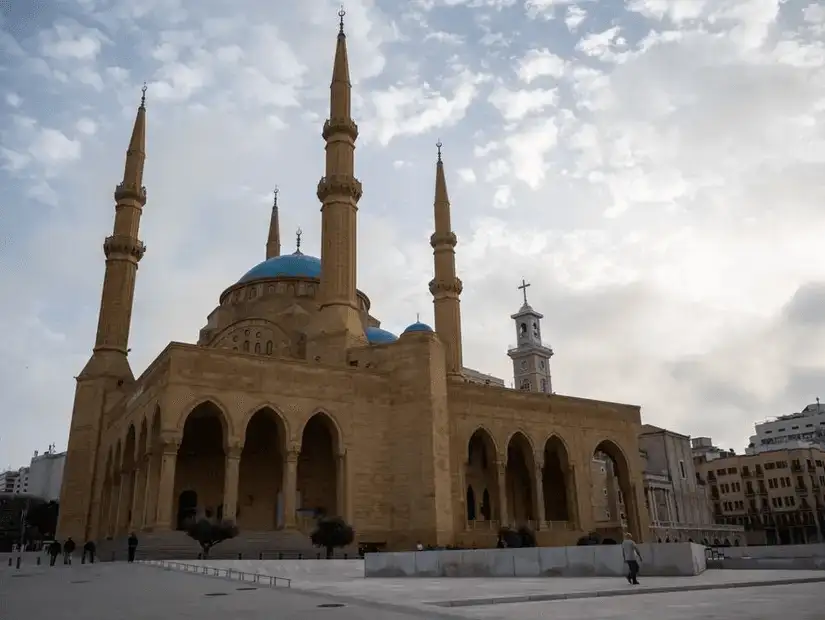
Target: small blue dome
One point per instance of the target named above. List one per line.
(376, 335)
(292, 265)
(418, 326)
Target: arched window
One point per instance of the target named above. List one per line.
(257, 347)
(522, 329)
(269, 347)
(246, 345)
(544, 385)
(525, 384)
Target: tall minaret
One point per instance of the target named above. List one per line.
(273, 242)
(339, 192)
(445, 286)
(107, 373)
(531, 358)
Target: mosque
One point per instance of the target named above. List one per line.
(295, 402)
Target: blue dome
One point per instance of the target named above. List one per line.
(418, 326)
(376, 335)
(292, 265)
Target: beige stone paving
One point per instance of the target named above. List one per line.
(344, 578)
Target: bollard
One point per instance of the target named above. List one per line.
(18, 561)
(240, 556)
(38, 560)
(10, 561)
(261, 555)
(280, 556)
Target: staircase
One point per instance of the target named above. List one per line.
(173, 545)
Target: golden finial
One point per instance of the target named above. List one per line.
(438, 145)
(298, 234)
(275, 198)
(143, 96)
(417, 317)
(341, 14)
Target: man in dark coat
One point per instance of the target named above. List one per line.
(132, 544)
(68, 550)
(54, 551)
(89, 550)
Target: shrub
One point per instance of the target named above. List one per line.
(209, 533)
(526, 536)
(509, 538)
(590, 539)
(331, 533)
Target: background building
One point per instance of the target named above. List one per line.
(42, 478)
(777, 495)
(796, 430)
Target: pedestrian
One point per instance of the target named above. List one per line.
(631, 555)
(54, 551)
(132, 544)
(68, 550)
(419, 546)
(89, 550)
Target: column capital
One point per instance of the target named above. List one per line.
(169, 445)
(234, 450)
(501, 466)
(292, 455)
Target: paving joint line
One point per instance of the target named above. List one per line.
(535, 598)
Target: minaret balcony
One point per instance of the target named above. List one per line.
(340, 125)
(441, 239)
(123, 245)
(343, 185)
(449, 288)
(130, 191)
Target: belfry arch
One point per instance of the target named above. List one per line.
(200, 464)
(520, 480)
(558, 486)
(319, 481)
(260, 481)
(481, 478)
(615, 487)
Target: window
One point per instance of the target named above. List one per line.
(682, 470)
(525, 385)
(522, 329)
(544, 384)
(257, 347)
(246, 345)
(524, 364)
(541, 364)
(269, 347)
(604, 492)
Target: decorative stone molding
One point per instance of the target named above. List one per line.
(441, 239)
(130, 191)
(440, 288)
(345, 126)
(339, 185)
(118, 246)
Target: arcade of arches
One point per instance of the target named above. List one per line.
(526, 485)
(263, 483)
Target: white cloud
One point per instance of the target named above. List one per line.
(14, 100)
(51, 146)
(538, 63)
(86, 126)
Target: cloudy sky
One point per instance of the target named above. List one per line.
(655, 168)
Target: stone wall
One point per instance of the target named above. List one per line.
(666, 559)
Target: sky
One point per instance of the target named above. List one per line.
(654, 168)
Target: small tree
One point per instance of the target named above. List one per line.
(331, 533)
(510, 538)
(209, 533)
(527, 536)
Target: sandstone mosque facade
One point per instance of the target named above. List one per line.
(294, 402)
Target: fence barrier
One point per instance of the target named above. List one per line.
(227, 573)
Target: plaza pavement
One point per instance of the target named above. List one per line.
(141, 592)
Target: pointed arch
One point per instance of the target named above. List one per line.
(129, 447)
(272, 409)
(480, 462)
(520, 478)
(558, 486)
(618, 487)
(320, 475)
(200, 404)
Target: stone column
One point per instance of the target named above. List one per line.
(230, 482)
(114, 502)
(166, 485)
(502, 491)
(573, 514)
(147, 518)
(119, 506)
(341, 486)
(538, 495)
(290, 486)
(138, 481)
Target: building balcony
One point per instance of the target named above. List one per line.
(796, 467)
(750, 492)
(746, 473)
(801, 490)
(760, 473)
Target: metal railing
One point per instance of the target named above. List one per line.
(226, 573)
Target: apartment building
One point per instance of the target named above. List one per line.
(677, 500)
(806, 427)
(778, 496)
(42, 478)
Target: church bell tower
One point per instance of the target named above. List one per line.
(531, 359)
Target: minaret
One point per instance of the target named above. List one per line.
(273, 242)
(107, 373)
(339, 192)
(445, 286)
(531, 359)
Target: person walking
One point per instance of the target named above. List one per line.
(68, 550)
(632, 557)
(132, 546)
(89, 550)
(54, 551)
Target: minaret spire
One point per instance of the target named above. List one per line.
(273, 241)
(107, 374)
(339, 192)
(445, 286)
(123, 249)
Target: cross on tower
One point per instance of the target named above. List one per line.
(523, 288)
